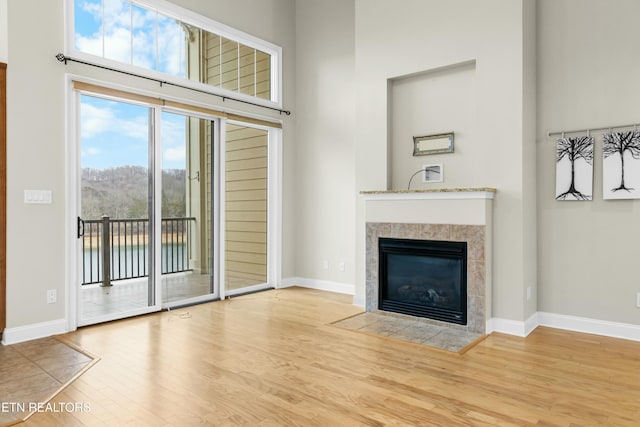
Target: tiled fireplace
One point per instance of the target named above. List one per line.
(435, 216)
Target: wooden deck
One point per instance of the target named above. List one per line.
(273, 359)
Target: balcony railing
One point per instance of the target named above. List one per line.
(122, 252)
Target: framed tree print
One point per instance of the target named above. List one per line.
(574, 168)
(621, 165)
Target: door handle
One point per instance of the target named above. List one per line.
(80, 227)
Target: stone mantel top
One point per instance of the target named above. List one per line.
(433, 194)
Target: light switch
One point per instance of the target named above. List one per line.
(37, 196)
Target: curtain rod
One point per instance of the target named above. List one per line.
(609, 128)
(62, 58)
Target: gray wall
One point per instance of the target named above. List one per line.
(35, 160)
(588, 70)
(325, 125)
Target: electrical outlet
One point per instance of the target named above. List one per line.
(638, 300)
(528, 293)
(52, 296)
(341, 266)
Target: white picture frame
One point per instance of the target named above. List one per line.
(621, 165)
(574, 168)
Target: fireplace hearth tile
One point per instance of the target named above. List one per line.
(409, 329)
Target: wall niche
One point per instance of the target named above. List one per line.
(431, 102)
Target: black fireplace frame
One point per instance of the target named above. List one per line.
(432, 248)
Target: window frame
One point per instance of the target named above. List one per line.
(192, 18)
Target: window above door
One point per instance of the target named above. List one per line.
(161, 40)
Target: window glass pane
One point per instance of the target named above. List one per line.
(88, 26)
(246, 207)
(193, 52)
(263, 75)
(132, 34)
(117, 30)
(144, 37)
(186, 237)
(115, 201)
(171, 47)
(212, 58)
(247, 70)
(229, 65)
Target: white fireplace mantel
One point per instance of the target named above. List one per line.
(470, 206)
(445, 194)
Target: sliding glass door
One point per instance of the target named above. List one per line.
(115, 225)
(188, 209)
(166, 214)
(148, 203)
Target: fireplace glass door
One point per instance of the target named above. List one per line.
(424, 278)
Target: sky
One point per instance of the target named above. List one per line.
(115, 29)
(116, 133)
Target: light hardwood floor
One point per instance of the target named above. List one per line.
(273, 359)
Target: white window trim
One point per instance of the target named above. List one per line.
(197, 20)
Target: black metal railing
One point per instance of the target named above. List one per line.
(122, 252)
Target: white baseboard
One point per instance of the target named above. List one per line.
(32, 332)
(322, 285)
(590, 326)
(531, 324)
(562, 321)
(507, 326)
(359, 301)
(513, 327)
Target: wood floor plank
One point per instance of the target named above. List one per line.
(274, 359)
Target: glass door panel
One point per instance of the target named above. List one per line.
(116, 255)
(186, 258)
(246, 183)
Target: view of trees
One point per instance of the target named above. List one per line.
(123, 192)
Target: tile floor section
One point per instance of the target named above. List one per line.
(410, 329)
(32, 372)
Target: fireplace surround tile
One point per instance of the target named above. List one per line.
(475, 277)
(434, 232)
(475, 237)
